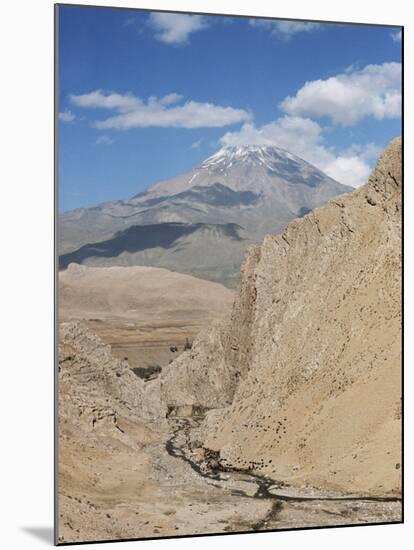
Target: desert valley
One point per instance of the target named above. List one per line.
(230, 352)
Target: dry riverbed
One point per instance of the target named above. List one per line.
(168, 488)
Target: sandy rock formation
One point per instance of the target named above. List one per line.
(192, 380)
(207, 376)
(311, 358)
(104, 417)
(94, 385)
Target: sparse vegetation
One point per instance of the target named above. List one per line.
(147, 373)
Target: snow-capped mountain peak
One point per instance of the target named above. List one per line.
(201, 221)
(262, 169)
(266, 155)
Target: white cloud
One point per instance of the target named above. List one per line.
(196, 144)
(99, 99)
(286, 132)
(170, 99)
(67, 116)
(104, 140)
(190, 115)
(374, 91)
(133, 112)
(304, 138)
(396, 36)
(351, 170)
(175, 28)
(368, 152)
(285, 29)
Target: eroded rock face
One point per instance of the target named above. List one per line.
(107, 417)
(209, 373)
(95, 386)
(311, 358)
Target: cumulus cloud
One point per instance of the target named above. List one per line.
(67, 116)
(190, 115)
(133, 112)
(346, 98)
(350, 170)
(99, 99)
(286, 132)
(396, 36)
(368, 152)
(285, 29)
(175, 28)
(104, 140)
(304, 137)
(374, 91)
(170, 99)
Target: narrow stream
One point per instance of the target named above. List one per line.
(266, 488)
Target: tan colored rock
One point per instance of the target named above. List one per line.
(115, 477)
(107, 417)
(315, 336)
(95, 386)
(208, 375)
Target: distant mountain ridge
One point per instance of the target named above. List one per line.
(258, 189)
(209, 251)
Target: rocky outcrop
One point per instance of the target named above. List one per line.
(107, 419)
(201, 376)
(208, 374)
(96, 388)
(310, 360)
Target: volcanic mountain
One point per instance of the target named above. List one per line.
(202, 221)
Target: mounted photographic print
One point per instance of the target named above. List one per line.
(228, 268)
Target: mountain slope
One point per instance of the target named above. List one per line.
(209, 251)
(259, 189)
(305, 379)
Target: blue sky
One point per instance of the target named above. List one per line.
(144, 96)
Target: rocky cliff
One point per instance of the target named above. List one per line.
(107, 417)
(305, 378)
(94, 386)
